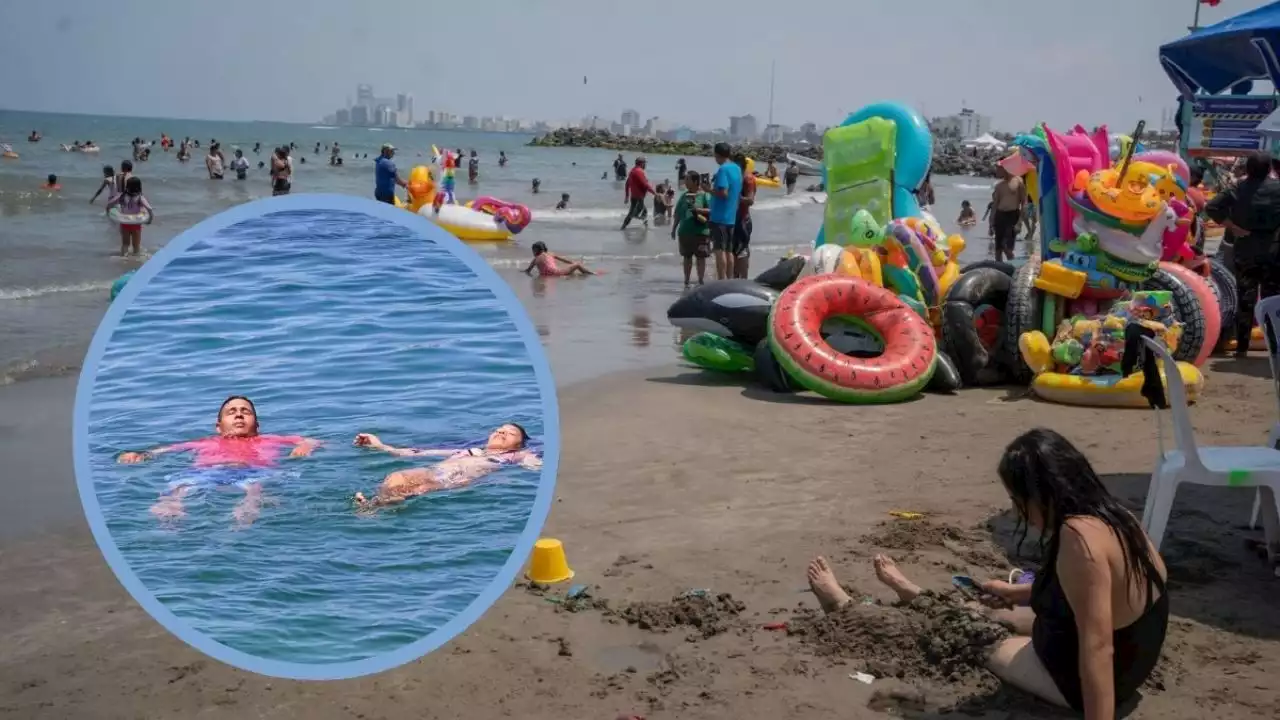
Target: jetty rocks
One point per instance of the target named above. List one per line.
(946, 160)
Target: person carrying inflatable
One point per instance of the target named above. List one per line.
(385, 177)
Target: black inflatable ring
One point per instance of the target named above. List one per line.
(960, 340)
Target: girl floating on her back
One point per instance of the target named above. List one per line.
(229, 458)
(545, 262)
(131, 202)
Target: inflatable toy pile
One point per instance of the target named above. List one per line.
(855, 321)
(1091, 359)
(482, 219)
(881, 310)
(1116, 220)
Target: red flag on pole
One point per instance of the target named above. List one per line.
(1211, 3)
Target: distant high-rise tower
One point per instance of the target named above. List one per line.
(631, 117)
(364, 95)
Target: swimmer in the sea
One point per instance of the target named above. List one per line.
(237, 446)
(507, 445)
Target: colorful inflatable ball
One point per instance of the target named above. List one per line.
(717, 353)
(971, 322)
(734, 309)
(898, 373)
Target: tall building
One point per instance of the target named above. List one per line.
(342, 117)
(631, 117)
(364, 95)
(964, 125)
(743, 127)
(471, 122)
(359, 115)
(404, 107)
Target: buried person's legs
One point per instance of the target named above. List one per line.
(1013, 660)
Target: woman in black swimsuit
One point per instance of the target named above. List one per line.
(1090, 628)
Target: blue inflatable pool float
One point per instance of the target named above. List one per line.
(913, 154)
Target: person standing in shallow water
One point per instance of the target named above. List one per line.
(385, 176)
(1089, 630)
(726, 193)
(691, 225)
(281, 172)
(638, 188)
(1008, 198)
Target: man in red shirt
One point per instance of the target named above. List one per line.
(638, 188)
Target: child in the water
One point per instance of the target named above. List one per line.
(51, 184)
(536, 184)
(564, 201)
(968, 218)
(545, 262)
(131, 202)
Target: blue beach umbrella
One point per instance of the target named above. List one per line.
(1218, 57)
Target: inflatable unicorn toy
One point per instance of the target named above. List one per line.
(445, 194)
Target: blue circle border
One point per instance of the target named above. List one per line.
(524, 545)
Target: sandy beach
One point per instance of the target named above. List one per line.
(670, 482)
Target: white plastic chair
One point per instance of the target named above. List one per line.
(1246, 466)
(1268, 309)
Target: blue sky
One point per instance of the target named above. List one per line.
(1063, 62)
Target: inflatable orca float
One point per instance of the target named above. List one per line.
(734, 309)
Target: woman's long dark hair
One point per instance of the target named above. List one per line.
(1042, 469)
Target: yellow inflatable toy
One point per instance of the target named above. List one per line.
(761, 181)
(1135, 200)
(1081, 366)
(461, 221)
(422, 188)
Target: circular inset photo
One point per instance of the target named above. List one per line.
(316, 436)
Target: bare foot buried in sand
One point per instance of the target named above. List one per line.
(823, 583)
(888, 573)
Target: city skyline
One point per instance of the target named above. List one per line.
(368, 110)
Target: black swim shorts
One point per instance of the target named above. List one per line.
(1005, 224)
(695, 246)
(388, 198)
(721, 237)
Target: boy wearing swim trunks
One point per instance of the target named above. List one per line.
(693, 211)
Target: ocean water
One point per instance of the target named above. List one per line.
(332, 323)
(58, 250)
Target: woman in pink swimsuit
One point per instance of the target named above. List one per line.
(545, 262)
(506, 446)
(238, 447)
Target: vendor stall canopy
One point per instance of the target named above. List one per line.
(1237, 50)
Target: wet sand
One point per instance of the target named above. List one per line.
(671, 482)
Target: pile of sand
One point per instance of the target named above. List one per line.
(933, 637)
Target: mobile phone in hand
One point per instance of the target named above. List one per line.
(968, 585)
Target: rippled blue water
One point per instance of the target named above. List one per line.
(332, 323)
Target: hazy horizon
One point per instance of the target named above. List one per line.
(295, 62)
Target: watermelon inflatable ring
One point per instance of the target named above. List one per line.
(901, 371)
